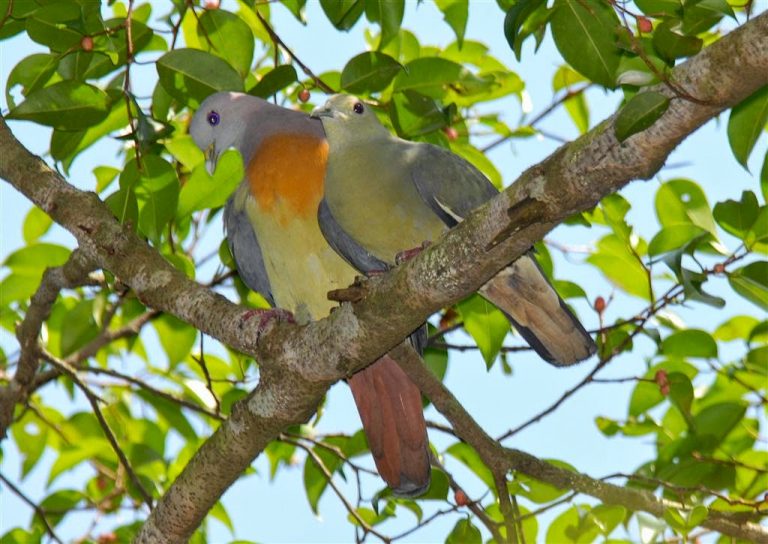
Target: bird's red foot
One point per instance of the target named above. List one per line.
(408, 254)
(267, 317)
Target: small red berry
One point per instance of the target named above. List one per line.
(662, 380)
(212, 4)
(600, 305)
(107, 538)
(304, 95)
(448, 318)
(719, 268)
(451, 133)
(86, 43)
(644, 24)
(461, 498)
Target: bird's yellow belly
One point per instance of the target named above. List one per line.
(300, 264)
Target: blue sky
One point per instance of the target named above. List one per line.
(278, 511)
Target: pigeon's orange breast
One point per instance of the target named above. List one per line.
(286, 175)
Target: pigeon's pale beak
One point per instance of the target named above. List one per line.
(211, 158)
(320, 112)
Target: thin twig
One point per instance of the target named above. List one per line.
(93, 400)
(38, 510)
(279, 42)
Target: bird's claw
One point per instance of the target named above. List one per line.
(267, 317)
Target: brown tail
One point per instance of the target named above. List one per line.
(390, 408)
(523, 293)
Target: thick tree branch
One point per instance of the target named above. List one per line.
(299, 363)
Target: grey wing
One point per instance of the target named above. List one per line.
(449, 185)
(345, 245)
(246, 250)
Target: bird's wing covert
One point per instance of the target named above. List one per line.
(246, 250)
(449, 185)
(345, 245)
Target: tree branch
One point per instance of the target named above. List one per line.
(299, 363)
(74, 273)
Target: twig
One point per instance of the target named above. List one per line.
(276, 39)
(74, 273)
(650, 311)
(329, 478)
(93, 401)
(38, 510)
(541, 115)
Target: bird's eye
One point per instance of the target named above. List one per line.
(213, 118)
(358, 108)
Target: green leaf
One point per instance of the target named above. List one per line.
(681, 201)
(369, 72)
(388, 14)
(296, 7)
(171, 413)
(31, 73)
(33, 259)
(57, 505)
(658, 8)
(751, 282)
(717, 420)
(464, 533)
(700, 16)
(681, 392)
(157, 194)
(124, 205)
(607, 517)
(428, 75)
(114, 47)
(51, 25)
(315, 482)
(674, 237)
(176, 337)
(671, 44)
(227, 36)
(523, 19)
(79, 328)
(190, 75)
(585, 34)
(615, 260)
(455, 13)
(746, 123)
(203, 191)
(343, 14)
(486, 324)
(690, 343)
(736, 328)
(414, 114)
(640, 113)
(66, 105)
(275, 80)
(36, 224)
(737, 217)
(646, 395)
(470, 458)
(536, 490)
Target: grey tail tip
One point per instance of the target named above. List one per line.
(409, 489)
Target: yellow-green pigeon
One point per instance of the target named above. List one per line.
(384, 195)
(274, 236)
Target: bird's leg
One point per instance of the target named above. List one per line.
(408, 254)
(266, 317)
